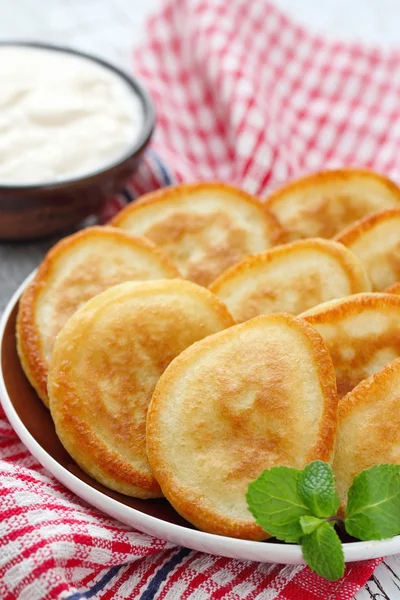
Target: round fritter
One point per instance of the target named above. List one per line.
(369, 427)
(376, 241)
(74, 270)
(203, 227)
(362, 333)
(106, 362)
(322, 204)
(290, 278)
(258, 395)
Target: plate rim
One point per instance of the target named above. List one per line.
(170, 532)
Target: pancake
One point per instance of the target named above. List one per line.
(258, 395)
(376, 241)
(369, 427)
(106, 362)
(323, 204)
(290, 278)
(74, 270)
(362, 333)
(203, 227)
(394, 289)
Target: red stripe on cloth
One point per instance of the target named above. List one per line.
(251, 575)
(30, 577)
(242, 95)
(182, 572)
(58, 591)
(134, 574)
(309, 586)
(261, 578)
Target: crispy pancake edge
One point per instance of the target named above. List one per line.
(75, 435)
(349, 305)
(330, 175)
(347, 259)
(211, 521)
(28, 336)
(175, 193)
(393, 289)
(356, 396)
(352, 233)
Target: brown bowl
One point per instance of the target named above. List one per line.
(34, 211)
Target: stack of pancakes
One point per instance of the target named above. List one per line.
(206, 335)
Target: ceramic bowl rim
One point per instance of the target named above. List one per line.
(134, 148)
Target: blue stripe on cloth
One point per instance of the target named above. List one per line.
(163, 573)
(127, 195)
(167, 180)
(97, 587)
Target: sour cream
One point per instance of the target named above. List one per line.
(62, 116)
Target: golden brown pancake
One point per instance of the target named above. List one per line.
(203, 227)
(323, 204)
(394, 289)
(369, 427)
(376, 241)
(106, 362)
(362, 333)
(290, 278)
(258, 395)
(74, 270)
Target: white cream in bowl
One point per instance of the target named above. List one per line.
(62, 116)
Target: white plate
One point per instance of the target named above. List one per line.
(175, 533)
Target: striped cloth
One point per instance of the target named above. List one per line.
(54, 545)
(246, 96)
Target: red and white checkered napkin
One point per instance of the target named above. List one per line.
(53, 545)
(245, 96)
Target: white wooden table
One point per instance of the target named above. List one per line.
(109, 28)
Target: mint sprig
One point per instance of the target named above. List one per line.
(308, 524)
(323, 552)
(276, 504)
(301, 506)
(317, 488)
(373, 505)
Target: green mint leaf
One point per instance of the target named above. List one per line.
(373, 505)
(309, 524)
(274, 501)
(317, 489)
(323, 552)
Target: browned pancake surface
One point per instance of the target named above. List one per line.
(203, 227)
(257, 395)
(369, 427)
(376, 241)
(362, 333)
(74, 270)
(106, 362)
(322, 204)
(290, 278)
(394, 289)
